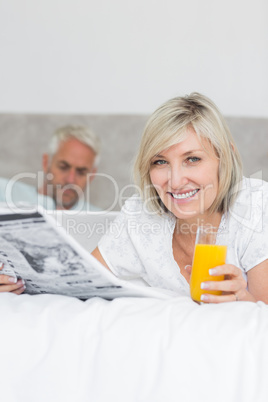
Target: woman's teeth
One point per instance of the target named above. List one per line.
(185, 195)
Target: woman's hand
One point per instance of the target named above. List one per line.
(10, 284)
(234, 286)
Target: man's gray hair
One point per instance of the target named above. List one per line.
(81, 133)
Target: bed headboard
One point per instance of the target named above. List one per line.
(24, 138)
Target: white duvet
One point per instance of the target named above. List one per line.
(55, 348)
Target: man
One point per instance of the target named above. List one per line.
(68, 168)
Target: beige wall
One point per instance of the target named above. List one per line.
(24, 138)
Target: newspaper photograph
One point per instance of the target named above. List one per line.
(33, 248)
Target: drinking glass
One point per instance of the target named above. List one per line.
(209, 253)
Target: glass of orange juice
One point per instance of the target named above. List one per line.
(208, 254)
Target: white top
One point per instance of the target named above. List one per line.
(138, 243)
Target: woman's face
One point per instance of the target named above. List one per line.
(185, 177)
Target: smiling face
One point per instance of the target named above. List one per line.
(68, 172)
(185, 177)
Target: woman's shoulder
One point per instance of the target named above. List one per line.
(251, 204)
(253, 183)
(252, 190)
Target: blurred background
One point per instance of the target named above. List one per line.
(94, 60)
(122, 56)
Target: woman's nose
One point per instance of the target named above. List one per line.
(177, 178)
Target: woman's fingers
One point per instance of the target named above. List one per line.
(7, 286)
(10, 283)
(188, 269)
(226, 269)
(7, 280)
(208, 298)
(187, 273)
(233, 287)
(19, 291)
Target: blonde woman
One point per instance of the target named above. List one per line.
(189, 173)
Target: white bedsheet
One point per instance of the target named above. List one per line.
(55, 348)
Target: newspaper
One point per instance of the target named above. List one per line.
(34, 248)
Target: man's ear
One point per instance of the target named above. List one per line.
(45, 162)
(92, 175)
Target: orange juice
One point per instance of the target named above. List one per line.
(206, 256)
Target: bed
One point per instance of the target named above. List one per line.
(59, 348)
(56, 348)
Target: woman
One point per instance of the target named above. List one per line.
(190, 174)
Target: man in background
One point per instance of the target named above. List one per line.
(68, 167)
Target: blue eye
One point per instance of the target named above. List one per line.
(159, 162)
(193, 159)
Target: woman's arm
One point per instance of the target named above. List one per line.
(96, 253)
(258, 281)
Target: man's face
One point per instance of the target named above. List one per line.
(67, 172)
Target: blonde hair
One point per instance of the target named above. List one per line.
(168, 125)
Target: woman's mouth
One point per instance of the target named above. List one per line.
(185, 195)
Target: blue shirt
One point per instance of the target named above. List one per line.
(19, 194)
